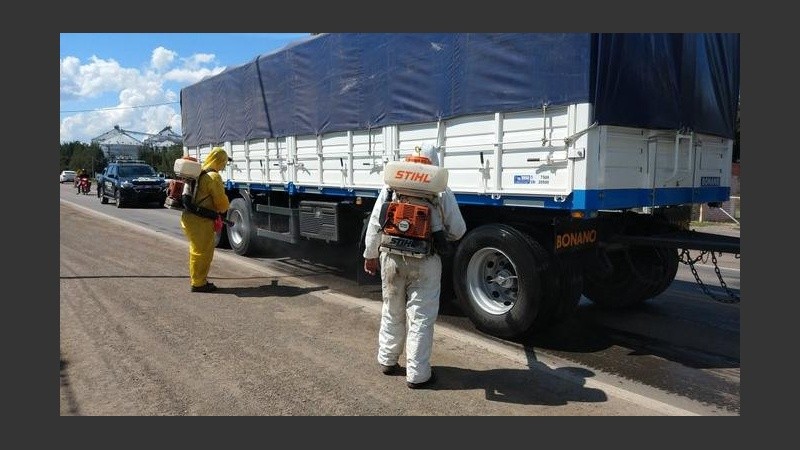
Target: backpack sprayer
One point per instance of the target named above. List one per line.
(181, 191)
(187, 170)
(411, 224)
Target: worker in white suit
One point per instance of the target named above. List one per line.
(410, 288)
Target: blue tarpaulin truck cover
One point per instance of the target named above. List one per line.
(350, 81)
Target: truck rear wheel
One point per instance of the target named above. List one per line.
(563, 287)
(638, 273)
(242, 235)
(496, 279)
(561, 280)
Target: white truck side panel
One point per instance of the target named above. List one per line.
(512, 153)
(545, 152)
(534, 158)
(334, 157)
(465, 138)
(277, 161)
(713, 160)
(624, 160)
(307, 161)
(633, 158)
(369, 154)
(673, 167)
(256, 162)
(237, 168)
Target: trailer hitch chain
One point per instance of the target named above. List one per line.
(686, 258)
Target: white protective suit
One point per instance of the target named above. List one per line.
(411, 287)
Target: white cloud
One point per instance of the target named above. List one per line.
(133, 89)
(188, 76)
(91, 80)
(156, 118)
(162, 58)
(172, 96)
(199, 59)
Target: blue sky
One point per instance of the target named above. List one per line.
(134, 79)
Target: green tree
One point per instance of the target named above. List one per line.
(78, 155)
(66, 151)
(162, 159)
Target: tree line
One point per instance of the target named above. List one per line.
(77, 155)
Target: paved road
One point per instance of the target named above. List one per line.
(134, 341)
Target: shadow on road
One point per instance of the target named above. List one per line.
(693, 331)
(542, 386)
(69, 405)
(268, 290)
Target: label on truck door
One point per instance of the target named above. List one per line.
(532, 179)
(709, 181)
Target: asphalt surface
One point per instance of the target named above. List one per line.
(135, 341)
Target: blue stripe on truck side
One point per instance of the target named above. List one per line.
(579, 200)
(595, 199)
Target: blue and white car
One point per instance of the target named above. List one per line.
(129, 182)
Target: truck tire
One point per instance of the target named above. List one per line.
(102, 194)
(563, 287)
(496, 278)
(561, 278)
(663, 270)
(561, 281)
(242, 235)
(639, 273)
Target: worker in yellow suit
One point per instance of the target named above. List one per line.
(209, 194)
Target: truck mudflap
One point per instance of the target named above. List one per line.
(573, 235)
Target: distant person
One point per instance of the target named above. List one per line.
(410, 287)
(80, 176)
(199, 229)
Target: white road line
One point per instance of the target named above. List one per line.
(711, 267)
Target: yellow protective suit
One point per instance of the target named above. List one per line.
(199, 231)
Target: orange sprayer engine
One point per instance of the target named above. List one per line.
(406, 227)
(408, 219)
